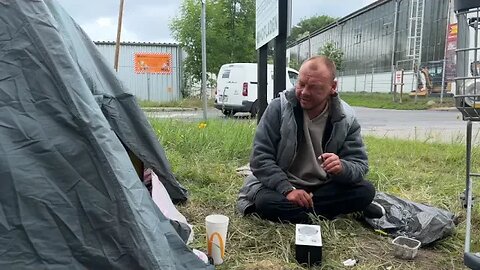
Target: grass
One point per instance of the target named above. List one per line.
(362, 99)
(384, 101)
(205, 159)
(183, 103)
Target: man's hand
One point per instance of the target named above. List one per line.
(331, 163)
(301, 198)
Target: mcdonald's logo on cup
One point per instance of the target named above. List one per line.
(217, 227)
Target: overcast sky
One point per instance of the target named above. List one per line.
(148, 20)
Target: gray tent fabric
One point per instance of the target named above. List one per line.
(119, 107)
(70, 197)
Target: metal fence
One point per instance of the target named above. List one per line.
(372, 81)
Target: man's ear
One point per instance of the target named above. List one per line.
(334, 87)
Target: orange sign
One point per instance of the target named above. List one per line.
(452, 32)
(153, 63)
(453, 28)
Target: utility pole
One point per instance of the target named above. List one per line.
(204, 62)
(445, 53)
(119, 31)
(394, 45)
(280, 61)
(148, 81)
(262, 57)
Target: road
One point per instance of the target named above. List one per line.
(429, 126)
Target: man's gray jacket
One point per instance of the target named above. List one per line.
(278, 135)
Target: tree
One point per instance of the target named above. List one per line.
(230, 26)
(310, 25)
(333, 53)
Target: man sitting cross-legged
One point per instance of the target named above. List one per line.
(308, 155)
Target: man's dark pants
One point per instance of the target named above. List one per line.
(330, 200)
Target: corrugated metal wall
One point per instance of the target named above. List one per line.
(163, 87)
(366, 39)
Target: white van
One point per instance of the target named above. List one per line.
(237, 87)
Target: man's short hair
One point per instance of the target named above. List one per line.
(326, 61)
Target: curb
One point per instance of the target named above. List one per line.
(167, 109)
(444, 109)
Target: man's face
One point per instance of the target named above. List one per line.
(315, 85)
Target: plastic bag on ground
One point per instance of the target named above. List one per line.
(406, 218)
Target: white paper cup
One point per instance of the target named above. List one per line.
(217, 227)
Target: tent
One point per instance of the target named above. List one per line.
(70, 196)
